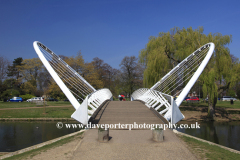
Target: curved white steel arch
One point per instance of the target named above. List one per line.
(172, 112)
(93, 98)
(196, 75)
(56, 78)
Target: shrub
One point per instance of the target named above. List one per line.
(26, 96)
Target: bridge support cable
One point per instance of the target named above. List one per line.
(178, 81)
(164, 104)
(73, 85)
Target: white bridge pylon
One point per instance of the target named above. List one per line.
(73, 85)
(178, 81)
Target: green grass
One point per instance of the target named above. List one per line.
(29, 104)
(63, 112)
(220, 104)
(37, 151)
(206, 151)
(66, 112)
(226, 104)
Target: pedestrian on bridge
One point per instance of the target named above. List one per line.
(120, 97)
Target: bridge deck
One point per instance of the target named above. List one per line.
(130, 144)
(126, 112)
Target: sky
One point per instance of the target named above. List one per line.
(107, 29)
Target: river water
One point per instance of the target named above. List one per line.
(223, 133)
(18, 135)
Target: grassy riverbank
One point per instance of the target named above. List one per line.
(198, 111)
(220, 104)
(192, 111)
(63, 112)
(29, 104)
(203, 150)
(54, 148)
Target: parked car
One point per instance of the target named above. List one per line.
(228, 98)
(16, 99)
(186, 98)
(35, 99)
(66, 100)
(193, 100)
(52, 99)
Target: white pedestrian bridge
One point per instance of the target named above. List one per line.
(97, 104)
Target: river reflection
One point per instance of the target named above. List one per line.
(226, 134)
(19, 135)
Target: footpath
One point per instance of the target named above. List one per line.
(131, 144)
(123, 145)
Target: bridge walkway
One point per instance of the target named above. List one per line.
(126, 112)
(130, 144)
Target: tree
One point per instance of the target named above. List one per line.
(29, 87)
(2, 89)
(9, 93)
(98, 65)
(92, 77)
(132, 73)
(30, 70)
(13, 70)
(164, 52)
(77, 63)
(105, 71)
(44, 79)
(12, 88)
(26, 96)
(115, 82)
(4, 63)
(54, 91)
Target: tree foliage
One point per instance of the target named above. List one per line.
(4, 63)
(26, 96)
(29, 87)
(131, 75)
(106, 72)
(30, 70)
(77, 63)
(54, 91)
(29, 77)
(9, 93)
(91, 75)
(13, 69)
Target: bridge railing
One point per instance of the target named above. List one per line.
(163, 103)
(97, 98)
(90, 105)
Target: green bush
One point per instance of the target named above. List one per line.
(26, 96)
(9, 93)
(231, 93)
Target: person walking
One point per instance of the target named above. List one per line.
(120, 97)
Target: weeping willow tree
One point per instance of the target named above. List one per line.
(168, 49)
